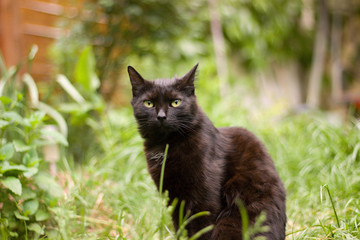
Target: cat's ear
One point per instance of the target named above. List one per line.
(137, 81)
(188, 80)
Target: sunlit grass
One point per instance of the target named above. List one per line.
(113, 197)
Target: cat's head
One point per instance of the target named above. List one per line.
(164, 107)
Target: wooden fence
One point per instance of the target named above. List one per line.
(27, 22)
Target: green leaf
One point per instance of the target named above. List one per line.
(7, 151)
(7, 167)
(30, 172)
(5, 100)
(62, 212)
(30, 207)
(56, 116)
(41, 215)
(54, 136)
(3, 68)
(14, 234)
(75, 108)
(85, 71)
(33, 91)
(70, 89)
(13, 70)
(12, 117)
(21, 146)
(28, 193)
(201, 232)
(34, 49)
(19, 216)
(3, 124)
(48, 184)
(31, 158)
(2, 84)
(37, 117)
(19, 97)
(13, 184)
(36, 228)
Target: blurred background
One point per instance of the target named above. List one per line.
(295, 54)
(71, 159)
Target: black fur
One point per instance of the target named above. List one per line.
(207, 167)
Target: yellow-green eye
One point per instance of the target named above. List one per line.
(148, 103)
(176, 103)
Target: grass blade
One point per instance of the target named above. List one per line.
(3, 69)
(201, 232)
(56, 116)
(161, 191)
(163, 169)
(188, 220)
(181, 212)
(34, 93)
(244, 219)
(332, 204)
(69, 88)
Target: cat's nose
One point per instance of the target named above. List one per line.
(161, 116)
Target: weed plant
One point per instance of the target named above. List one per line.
(28, 194)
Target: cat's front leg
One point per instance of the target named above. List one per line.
(228, 227)
(196, 224)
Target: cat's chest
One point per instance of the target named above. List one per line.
(183, 168)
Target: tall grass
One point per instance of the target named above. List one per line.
(112, 196)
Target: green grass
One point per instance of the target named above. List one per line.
(111, 196)
(319, 164)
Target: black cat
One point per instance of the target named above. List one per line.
(210, 168)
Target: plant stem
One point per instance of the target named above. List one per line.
(163, 169)
(332, 204)
(161, 190)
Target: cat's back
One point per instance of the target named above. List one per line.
(239, 135)
(243, 145)
(247, 158)
(251, 176)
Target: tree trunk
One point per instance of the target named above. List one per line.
(317, 67)
(219, 46)
(288, 80)
(336, 67)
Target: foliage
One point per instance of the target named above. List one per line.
(256, 33)
(28, 193)
(314, 153)
(117, 29)
(82, 106)
(259, 32)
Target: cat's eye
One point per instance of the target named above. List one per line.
(148, 103)
(176, 103)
